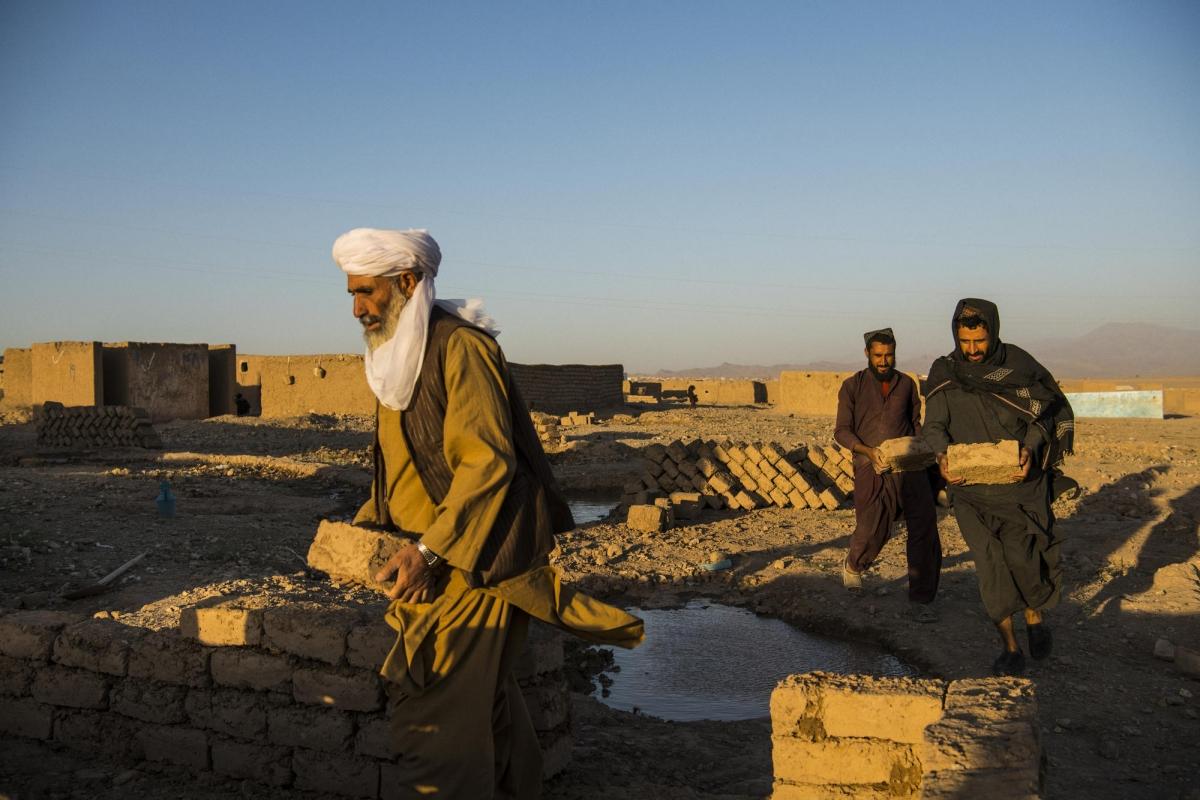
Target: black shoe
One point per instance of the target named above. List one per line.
(1040, 640)
(1010, 664)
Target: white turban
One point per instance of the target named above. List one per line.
(380, 254)
(393, 367)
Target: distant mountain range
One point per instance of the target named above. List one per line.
(1114, 350)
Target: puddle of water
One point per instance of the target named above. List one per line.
(590, 510)
(709, 661)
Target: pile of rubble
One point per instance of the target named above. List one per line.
(95, 427)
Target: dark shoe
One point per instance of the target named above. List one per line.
(1040, 640)
(1009, 664)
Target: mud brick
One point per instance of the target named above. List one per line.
(655, 452)
(97, 732)
(786, 469)
(991, 463)
(782, 484)
(170, 658)
(816, 456)
(309, 631)
(769, 472)
(186, 747)
(228, 711)
(677, 452)
(688, 468)
(26, 717)
(256, 762)
(549, 706)
(160, 703)
(352, 553)
(745, 500)
(829, 500)
(368, 645)
(796, 498)
(722, 482)
(847, 467)
(707, 466)
(813, 499)
(698, 482)
(736, 454)
(306, 726)
(845, 484)
(839, 761)
(75, 688)
(374, 738)
(669, 468)
(721, 453)
(905, 454)
(684, 497)
(345, 776)
(98, 645)
(778, 498)
(16, 675)
(222, 625)
(650, 519)
(753, 454)
(653, 468)
(346, 690)
(31, 634)
(736, 468)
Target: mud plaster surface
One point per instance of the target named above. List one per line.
(1115, 722)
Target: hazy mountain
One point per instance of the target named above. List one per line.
(1114, 350)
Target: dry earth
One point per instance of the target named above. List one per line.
(1116, 722)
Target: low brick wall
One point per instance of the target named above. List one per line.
(856, 736)
(283, 696)
(560, 388)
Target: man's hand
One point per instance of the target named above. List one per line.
(877, 460)
(950, 479)
(1025, 463)
(414, 578)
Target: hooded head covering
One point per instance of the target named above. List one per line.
(1009, 375)
(392, 367)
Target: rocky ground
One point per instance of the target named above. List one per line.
(1117, 723)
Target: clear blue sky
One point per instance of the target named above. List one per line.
(661, 184)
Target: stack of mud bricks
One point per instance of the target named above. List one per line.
(996, 462)
(95, 426)
(547, 428)
(575, 418)
(864, 737)
(746, 476)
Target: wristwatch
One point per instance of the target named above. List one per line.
(431, 558)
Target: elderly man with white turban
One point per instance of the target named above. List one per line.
(459, 468)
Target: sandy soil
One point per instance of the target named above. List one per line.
(1117, 723)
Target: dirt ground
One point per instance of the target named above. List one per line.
(1116, 722)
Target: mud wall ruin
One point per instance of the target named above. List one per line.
(561, 388)
(810, 393)
(169, 381)
(857, 736)
(289, 386)
(18, 378)
(284, 696)
(720, 391)
(71, 373)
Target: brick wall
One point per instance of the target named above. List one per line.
(70, 373)
(559, 388)
(721, 392)
(289, 386)
(857, 736)
(169, 381)
(285, 696)
(18, 378)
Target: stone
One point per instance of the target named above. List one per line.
(346, 776)
(245, 668)
(840, 761)
(1164, 649)
(374, 739)
(352, 553)
(347, 690)
(987, 463)
(255, 762)
(647, 518)
(228, 711)
(31, 634)
(543, 653)
(307, 726)
(1187, 661)
(97, 732)
(16, 675)
(368, 645)
(222, 625)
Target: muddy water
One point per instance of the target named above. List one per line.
(709, 661)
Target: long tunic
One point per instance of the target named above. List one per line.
(457, 714)
(1009, 527)
(865, 416)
